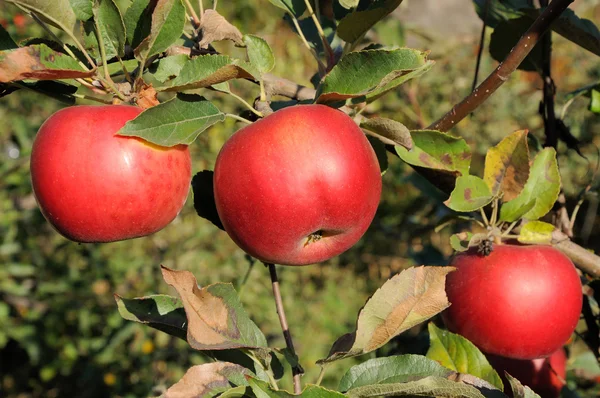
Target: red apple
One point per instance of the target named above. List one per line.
(545, 376)
(519, 302)
(297, 187)
(95, 186)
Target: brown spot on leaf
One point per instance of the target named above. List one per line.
(446, 159)
(468, 194)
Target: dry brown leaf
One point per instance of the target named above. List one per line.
(215, 27)
(38, 62)
(206, 379)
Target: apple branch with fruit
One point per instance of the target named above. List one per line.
(299, 184)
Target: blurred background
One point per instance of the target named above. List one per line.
(60, 332)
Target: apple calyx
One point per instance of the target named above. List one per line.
(314, 237)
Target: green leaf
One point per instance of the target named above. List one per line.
(513, 213)
(110, 27)
(262, 389)
(353, 26)
(40, 62)
(294, 7)
(504, 38)
(595, 101)
(57, 13)
(216, 318)
(470, 193)
(209, 380)
(405, 300)
(207, 70)
(507, 166)
(536, 233)
(170, 67)
(436, 150)
(6, 42)
(431, 386)
(388, 131)
(519, 390)
(543, 186)
(396, 369)
(168, 20)
(458, 243)
(82, 9)
(260, 54)
(138, 21)
(459, 354)
(177, 121)
(160, 311)
(370, 73)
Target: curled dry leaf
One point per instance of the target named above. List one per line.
(147, 97)
(207, 380)
(216, 319)
(405, 300)
(39, 62)
(215, 27)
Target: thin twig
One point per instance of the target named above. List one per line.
(504, 70)
(486, 7)
(192, 12)
(296, 371)
(547, 107)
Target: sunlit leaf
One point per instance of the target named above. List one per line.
(168, 20)
(595, 101)
(82, 9)
(460, 243)
(470, 193)
(259, 52)
(395, 369)
(536, 232)
(207, 70)
(459, 354)
(507, 166)
(405, 300)
(208, 380)
(216, 318)
(370, 73)
(436, 150)
(40, 62)
(110, 27)
(431, 386)
(543, 186)
(177, 121)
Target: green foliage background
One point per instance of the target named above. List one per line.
(60, 333)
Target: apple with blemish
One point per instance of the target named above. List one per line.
(298, 187)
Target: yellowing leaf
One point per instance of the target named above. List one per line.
(405, 300)
(507, 166)
(536, 232)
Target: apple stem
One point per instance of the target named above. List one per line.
(296, 370)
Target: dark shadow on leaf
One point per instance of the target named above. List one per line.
(204, 199)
